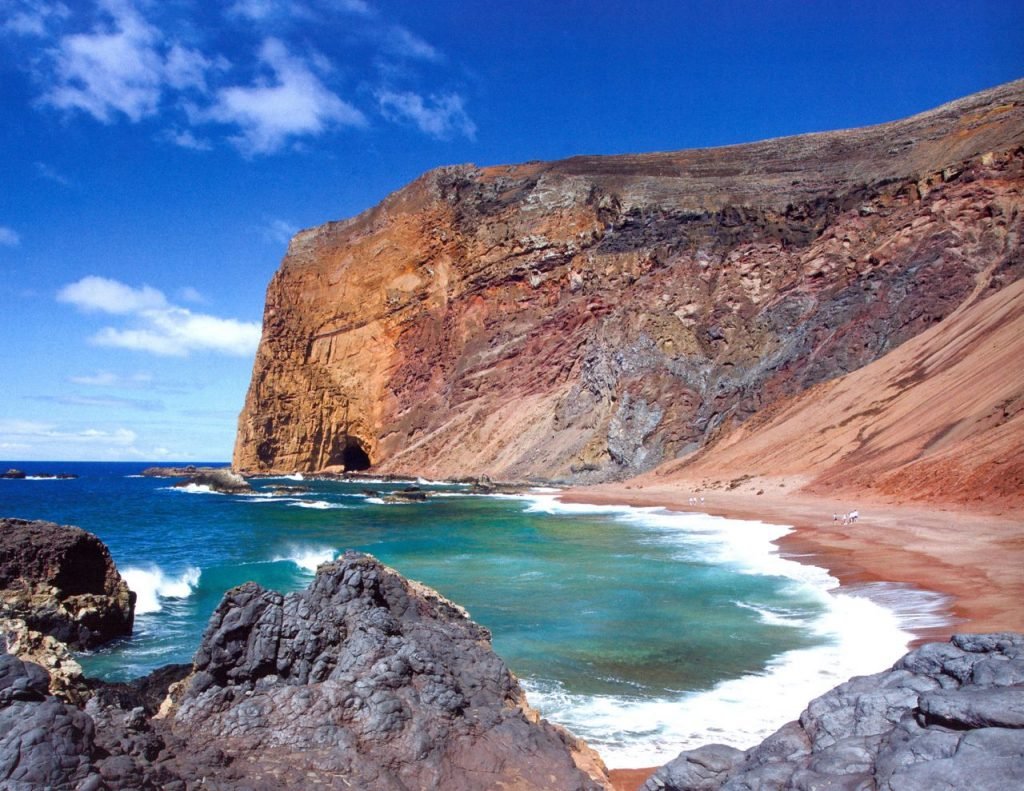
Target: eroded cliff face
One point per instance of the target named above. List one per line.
(595, 317)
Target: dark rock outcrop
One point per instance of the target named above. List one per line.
(14, 475)
(44, 742)
(946, 716)
(62, 582)
(367, 680)
(220, 480)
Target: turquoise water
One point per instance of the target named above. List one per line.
(635, 627)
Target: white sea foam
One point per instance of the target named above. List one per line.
(151, 585)
(375, 500)
(321, 505)
(307, 558)
(191, 488)
(862, 630)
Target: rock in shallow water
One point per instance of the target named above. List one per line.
(946, 716)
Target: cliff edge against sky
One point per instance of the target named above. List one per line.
(593, 318)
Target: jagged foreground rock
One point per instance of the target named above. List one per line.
(946, 717)
(367, 680)
(594, 317)
(62, 582)
(363, 681)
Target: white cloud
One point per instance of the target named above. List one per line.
(121, 67)
(295, 103)
(9, 237)
(94, 293)
(35, 433)
(99, 379)
(187, 68)
(441, 117)
(254, 9)
(175, 332)
(112, 69)
(52, 174)
(159, 327)
(279, 231)
(192, 294)
(185, 139)
(401, 41)
(108, 379)
(360, 7)
(34, 18)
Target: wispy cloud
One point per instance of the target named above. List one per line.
(50, 173)
(115, 68)
(138, 61)
(441, 117)
(9, 237)
(34, 434)
(157, 326)
(108, 379)
(270, 112)
(402, 41)
(105, 402)
(279, 231)
(33, 18)
(186, 139)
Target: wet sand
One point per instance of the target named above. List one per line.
(974, 558)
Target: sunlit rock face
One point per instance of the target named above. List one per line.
(591, 318)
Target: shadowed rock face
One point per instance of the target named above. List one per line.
(595, 317)
(946, 716)
(62, 582)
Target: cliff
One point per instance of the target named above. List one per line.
(596, 317)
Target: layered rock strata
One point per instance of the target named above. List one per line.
(62, 582)
(594, 317)
(946, 716)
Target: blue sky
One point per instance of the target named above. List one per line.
(155, 155)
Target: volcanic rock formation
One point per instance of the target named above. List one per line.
(595, 317)
(62, 582)
(364, 680)
(368, 680)
(946, 716)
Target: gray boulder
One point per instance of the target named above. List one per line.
(947, 716)
(368, 680)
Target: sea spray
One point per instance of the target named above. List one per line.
(151, 584)
(857, 635)
(309, 559)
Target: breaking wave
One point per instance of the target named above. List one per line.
(151, 585)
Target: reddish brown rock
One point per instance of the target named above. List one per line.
(62, 582)
(594, 317)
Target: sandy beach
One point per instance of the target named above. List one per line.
(974, 557)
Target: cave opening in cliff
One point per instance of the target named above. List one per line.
(353, 456)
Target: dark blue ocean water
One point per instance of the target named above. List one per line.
(639, 629)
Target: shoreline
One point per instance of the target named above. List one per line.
(972, 558)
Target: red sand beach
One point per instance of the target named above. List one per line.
(975, 558)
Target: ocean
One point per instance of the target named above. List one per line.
(643, 631)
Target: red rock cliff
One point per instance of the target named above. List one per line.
(594, 317)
